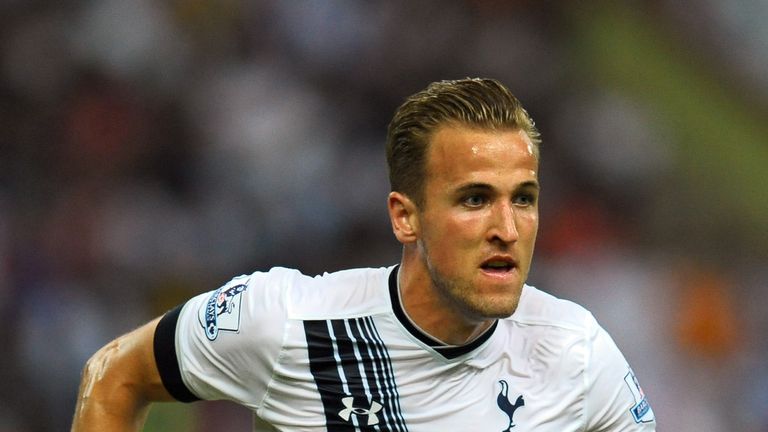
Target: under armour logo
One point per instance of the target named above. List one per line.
(349, 403)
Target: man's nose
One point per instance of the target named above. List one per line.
(503, 225)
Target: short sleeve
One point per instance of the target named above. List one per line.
(164, 345)
(226, 341)
(614, 399)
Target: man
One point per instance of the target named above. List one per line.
(451, 339)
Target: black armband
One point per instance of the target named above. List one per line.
(165, 357)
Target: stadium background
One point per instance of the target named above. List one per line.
(151, 150)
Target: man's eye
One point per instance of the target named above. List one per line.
(474, 201)
(525, 199)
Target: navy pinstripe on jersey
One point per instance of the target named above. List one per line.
(353, 373)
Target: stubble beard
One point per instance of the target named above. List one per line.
(462, 296)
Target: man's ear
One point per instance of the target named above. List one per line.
(403, 214)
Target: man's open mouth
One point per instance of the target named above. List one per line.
(498, 265)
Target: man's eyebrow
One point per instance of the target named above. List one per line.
(471, 187)
(530, 184)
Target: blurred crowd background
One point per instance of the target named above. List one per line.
(151, 150)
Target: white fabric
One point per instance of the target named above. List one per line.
(551, 352)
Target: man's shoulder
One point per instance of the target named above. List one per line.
(555, 334)
(539, 308)
(339, 294)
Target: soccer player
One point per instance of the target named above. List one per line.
(449, 339)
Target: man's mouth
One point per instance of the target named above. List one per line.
(498, 265)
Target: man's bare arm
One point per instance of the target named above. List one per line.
(118, 383)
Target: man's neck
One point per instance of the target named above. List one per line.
(432, 313)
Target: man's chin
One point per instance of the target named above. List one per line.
(493, 308)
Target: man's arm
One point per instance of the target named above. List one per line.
(118, 383)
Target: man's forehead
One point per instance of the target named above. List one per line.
(457, 148)
(475, 141)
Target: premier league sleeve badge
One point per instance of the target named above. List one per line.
(641, 410)
(222, 310)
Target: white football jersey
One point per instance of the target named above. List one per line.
(337, 353)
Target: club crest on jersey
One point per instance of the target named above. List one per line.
(222, 310)
(641, 410)
(509, 408)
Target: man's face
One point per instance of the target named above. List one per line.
(480, 218)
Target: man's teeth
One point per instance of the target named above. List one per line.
(498, 264)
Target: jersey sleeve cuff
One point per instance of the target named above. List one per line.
(166, 359)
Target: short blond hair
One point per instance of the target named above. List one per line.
(474, 102)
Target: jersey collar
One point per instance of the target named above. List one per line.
(447, 351)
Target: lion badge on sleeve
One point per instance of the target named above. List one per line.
(222, 310)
